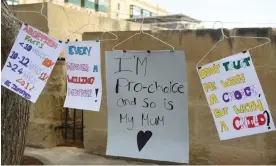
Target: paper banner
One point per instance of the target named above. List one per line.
(235, 97)
(147, 105)
(30, 62)
(83, 72)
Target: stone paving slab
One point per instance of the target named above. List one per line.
(73, 156)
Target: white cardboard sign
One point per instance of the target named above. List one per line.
(235, 97)
(83, 73)
(30, 62)
(147, 105)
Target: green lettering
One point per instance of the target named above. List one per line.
(226, 64)
(246, 60)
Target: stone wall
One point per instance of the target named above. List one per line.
(205, 146)
(48, 112)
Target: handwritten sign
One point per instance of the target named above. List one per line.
(30, 62)
(147, 105)
(235, 97)
(83, 69)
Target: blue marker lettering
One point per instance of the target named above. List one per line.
(88, 50)
(95, 68)
(71, 52)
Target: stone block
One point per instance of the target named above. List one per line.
(43, 135)
(49, 107)
(95, 141)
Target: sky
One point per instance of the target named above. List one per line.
(245, 13)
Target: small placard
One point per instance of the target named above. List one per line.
(235, 97)
(30, 62)
(83, 73)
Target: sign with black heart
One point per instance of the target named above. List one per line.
(147, 105)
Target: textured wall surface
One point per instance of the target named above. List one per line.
(48, 112)
(205, 146)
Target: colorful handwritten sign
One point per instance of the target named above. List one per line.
(147, 105)
(30, 62)
(83, 70)
(235, 97)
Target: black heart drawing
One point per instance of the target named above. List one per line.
(143, 138)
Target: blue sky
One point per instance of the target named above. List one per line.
(246, 11)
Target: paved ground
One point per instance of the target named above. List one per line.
(72, 156)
